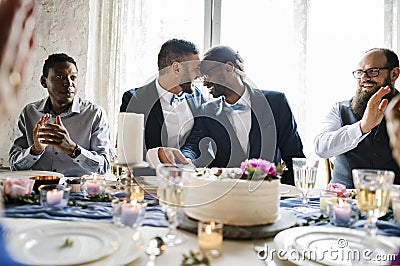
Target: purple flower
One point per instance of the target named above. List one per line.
(263, 168)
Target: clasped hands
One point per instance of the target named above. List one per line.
(54, 134)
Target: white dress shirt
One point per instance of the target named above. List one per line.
(178, 120)
(334, 138)
(241, 120)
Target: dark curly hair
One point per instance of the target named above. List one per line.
(54, 59)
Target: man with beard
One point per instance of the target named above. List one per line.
(168, 102)
(61, 133)
(243, 122)
(354, 131)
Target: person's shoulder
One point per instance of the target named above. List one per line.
(88, 105)
(34, 105)
(271, 93)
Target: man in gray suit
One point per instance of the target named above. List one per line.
(168, 102)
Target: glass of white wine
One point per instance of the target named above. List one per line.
(373, 194)
(305, 174)
(171, 196)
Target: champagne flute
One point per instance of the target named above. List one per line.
(170, 194)
(373, 191)
(305, 173)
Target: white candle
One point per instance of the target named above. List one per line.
(137, 193)
(92, 188)
(54, 197)
(130, 138)
(129, 214)
(342, 213)
(209, 238)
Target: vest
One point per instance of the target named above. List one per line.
(373, 152)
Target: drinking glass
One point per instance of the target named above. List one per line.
(170, 194)
(305, 173)
(373, 194)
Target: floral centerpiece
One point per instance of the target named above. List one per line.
(338, 189)
(256, 169)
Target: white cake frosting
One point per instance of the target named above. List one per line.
(232, 201)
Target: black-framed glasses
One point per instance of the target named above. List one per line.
(371, 72)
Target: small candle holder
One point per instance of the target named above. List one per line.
(395, 198)
(54, 196)
(137, 193)
(210, 237)
(343, 213)
(324, 198)
(128, 213)
(93, 184)
(75, 184)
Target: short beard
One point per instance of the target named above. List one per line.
(187, 87)
(360, 100)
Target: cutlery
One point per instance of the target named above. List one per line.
(155, 247)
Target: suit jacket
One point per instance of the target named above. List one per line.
(145, 100)
(273, 135)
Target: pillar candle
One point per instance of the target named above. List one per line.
(130, 138)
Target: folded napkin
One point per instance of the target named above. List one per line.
(93, 211)
(387, 228)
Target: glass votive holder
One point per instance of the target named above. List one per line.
(128, 213)
(75, 184)
(54, 196)
(396, 209)
(137, 193)
(93, 185)
(210, 237)
(343, 213)
(324, 198)
(14, 187)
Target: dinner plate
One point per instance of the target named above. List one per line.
(288, 191)
(28, 173)
(332, 246)
(45, 245)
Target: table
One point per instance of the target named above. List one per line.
(233, 252)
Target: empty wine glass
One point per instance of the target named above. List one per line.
(305, 173)
(373, 194)
(171, 197)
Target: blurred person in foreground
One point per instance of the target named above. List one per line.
(62, 132)
(354, 131)
(17, 22)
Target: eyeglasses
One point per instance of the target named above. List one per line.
(372, 72)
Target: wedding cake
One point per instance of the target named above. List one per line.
(223, 197)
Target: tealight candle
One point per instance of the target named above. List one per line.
(130, 213)
(342, 213)
(210, 237)
(324, 198)
(396, 209)
(92, 187)
(54, 197)
(137, 193)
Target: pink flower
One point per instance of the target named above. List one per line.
(339, 189)
(258, 167)
(14, 187)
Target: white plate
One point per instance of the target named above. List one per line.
(28, 173)
(289, 191)
(315, 245)
(43, 245)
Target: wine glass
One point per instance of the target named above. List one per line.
(305, 173)
(170, 194)
(373, 194)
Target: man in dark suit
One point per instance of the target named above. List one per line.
(243, 123)
(169, 102)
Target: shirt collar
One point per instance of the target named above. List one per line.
(163, 93)
(244, 100)
(45, 106)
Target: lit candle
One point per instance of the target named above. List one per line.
(210, 238)
(138, 193)
(324, 199)
(54, 197)
(92, 187)
(396, 209)
(342, 212)
(130, 213)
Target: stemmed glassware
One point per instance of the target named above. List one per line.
(373, 194)
(171, 197)
(305, 174)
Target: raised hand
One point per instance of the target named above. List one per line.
(374, 112)
(17, 22)
(39, 146)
